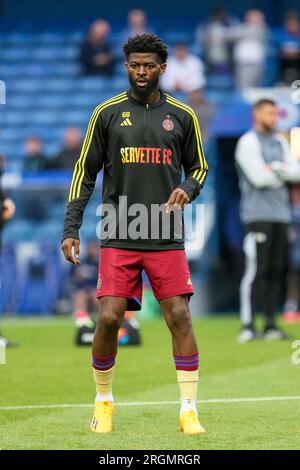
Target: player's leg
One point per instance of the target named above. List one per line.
(185, 352)
(104, 350)
(257, 250)
(274, 281)
(119, 287)
(105, 343)
(177, 315)
(111, 314)
(247, 303)
(169, 276)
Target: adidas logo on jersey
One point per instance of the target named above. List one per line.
(126, 122)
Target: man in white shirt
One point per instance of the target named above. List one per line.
(185, 72)
(249, 49)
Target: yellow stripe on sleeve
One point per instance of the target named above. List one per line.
(79, 167)
(199, 175)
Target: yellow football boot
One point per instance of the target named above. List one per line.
(189, 423)
(102, 418)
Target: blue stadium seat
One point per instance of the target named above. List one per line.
(220, 82)
(50, 38)
(95, 84)
(37, 290)
(85, 100)
(25, 85)
(119, 83)
(12, 150)
(19, 230)
(46, 117)
(72, 69)
(52, 147)
(15, 54)
(45, 54)
(59, 84)
(179, 35)
(9, 70)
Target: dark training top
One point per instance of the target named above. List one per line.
(142, 149)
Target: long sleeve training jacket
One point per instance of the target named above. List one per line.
(142, 150)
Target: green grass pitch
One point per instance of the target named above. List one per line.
(47, 369)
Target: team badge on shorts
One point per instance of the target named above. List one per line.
(189, 282)
(99, 283)
(168, 124)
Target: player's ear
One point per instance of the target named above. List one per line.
(162, 68)
(126, 65)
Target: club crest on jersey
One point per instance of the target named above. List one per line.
(168, 124)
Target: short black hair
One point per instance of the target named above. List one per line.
(146, 43)
(262, 102)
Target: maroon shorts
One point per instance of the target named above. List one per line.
(120, 274)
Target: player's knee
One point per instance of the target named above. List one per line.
(179, 319)
(110, 319)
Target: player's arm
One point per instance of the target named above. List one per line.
(289, 169)
(84, 177)
(248, 156)
(194, 165)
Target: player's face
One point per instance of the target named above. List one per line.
(267, 117)
(144, 70)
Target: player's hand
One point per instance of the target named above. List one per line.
(178, 200)
(70, 248)
(9, 209)
(280, 168)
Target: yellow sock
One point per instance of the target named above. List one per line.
(188, 384)
(103, 380)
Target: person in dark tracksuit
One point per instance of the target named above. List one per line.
(265, 166)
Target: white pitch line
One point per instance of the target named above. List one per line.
(149, 403)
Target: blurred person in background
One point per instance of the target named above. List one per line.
(249, 49)
(205, 111)
(265, 166)
(7, 211)
(34, 158)
(212, 37)
(289, 48)
(83, 282)
(137, 23)
(292, 305)
(72, 142)
(96, 56)
(34, 161)
(185, 71)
